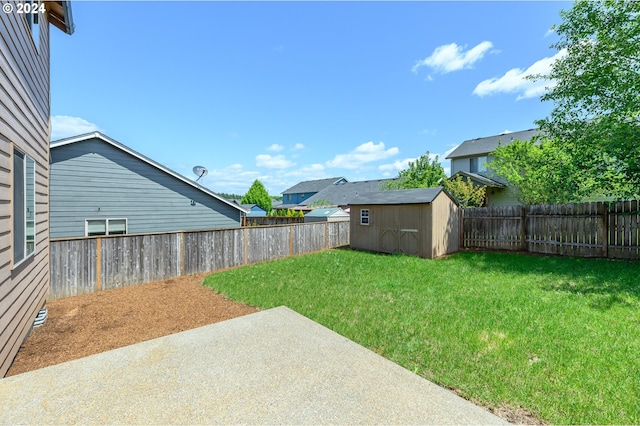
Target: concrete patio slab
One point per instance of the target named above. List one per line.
(271, 367)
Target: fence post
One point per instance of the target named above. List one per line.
(246, 237)
(181, 255)
(290, 240)
(603, 225)
(326, 235)
(461, 216)
(98, 264)
(523, 228)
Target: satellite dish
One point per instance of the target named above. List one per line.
(200, 171)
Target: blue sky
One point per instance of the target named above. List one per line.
(292, 91)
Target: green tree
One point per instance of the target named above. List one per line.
(540, 171)
(321, 203)
(465, 192)
(596, 94)
(286, 213)
(229, 196)
(258, 194)
(422, 173)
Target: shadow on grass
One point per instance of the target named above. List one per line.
(607, 282)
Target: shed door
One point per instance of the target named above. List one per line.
(405, 241)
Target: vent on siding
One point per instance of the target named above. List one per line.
(41, 318)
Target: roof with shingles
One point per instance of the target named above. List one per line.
(481, 179)
(403, 196)
(480, 146)
(341, 195)
(312, 185)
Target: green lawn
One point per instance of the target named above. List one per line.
(559, 337)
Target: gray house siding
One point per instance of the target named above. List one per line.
(24, 133)
(95, 180)
(502, 197)
(460, 165)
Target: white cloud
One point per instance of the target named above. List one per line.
(392, 169)
(514, 80)
(230, 179)
(451, 57)
(64, 126)
(366, 153)
(306, 170)
(273, 162)
(449, 151)
(275, 147)
(298, 147)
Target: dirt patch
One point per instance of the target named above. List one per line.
(517, 415)
(89, 324)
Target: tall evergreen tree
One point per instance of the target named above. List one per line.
(258, 194)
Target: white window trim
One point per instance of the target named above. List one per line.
(106, 225)
(24, 203)
(363, 216)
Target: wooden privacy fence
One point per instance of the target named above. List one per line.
(87, 265)
(270, 220)
(584, 230)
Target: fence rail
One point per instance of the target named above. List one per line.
(270, 220)
(88, 265)
(585, 230)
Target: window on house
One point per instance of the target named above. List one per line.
(96, 227)
(24, 206)
(364, 216)
(478, 164)
(288, 197)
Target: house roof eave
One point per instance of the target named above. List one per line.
(60, 16)
(483, 180)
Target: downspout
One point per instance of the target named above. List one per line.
(66, 9)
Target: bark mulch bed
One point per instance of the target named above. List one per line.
(89, 324)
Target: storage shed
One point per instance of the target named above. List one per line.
(331, 214)
(420, 222)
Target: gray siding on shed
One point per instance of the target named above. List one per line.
(93, 179)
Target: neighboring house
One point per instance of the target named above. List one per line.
(302, 191)
(334, 214)
(421, 222)
(470, 160)
(342, 195)
(254, 210)
(101, 187)
(24, 167)
(333, 192)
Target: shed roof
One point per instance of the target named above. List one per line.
(402, 196)
(313, 185)
(118, 145)
(342, 195)
(480, 146)
(333, 211)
